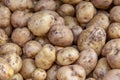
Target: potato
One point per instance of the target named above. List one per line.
(28, 67)
(45, 58)
(71, 1)
(31, 48)
(52, 73)
(102, 4)
(116, 2)
(40, 23)
(112, 75)
(111, 47)
(84, 11)
(45, 5)
(90, 79)
(21, 35)
(60, 35)
(88, 59)
(4, 16)
(67, 55)
(10, 48)
(114, 14)
(114, 30)
(16, 77)
(71, 72)
(39, 74)
(66, 10)
(18, 4)
(8, 30)
(20, 18)
(92, 37)
(6, 71)
(101, 69)
(101, 20)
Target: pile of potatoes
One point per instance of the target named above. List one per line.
(59, 39)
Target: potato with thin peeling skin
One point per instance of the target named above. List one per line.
(92, 37)
(90, 79)
(52, 72)
(67, 56)
(20, 18)
(45, 58)
(71, 1)
(88, 59)
(17, 76)
(39, 74)
(101, 69)
(116, 2)
(71, 72)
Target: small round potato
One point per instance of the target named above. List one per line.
(101, 69)
(114, 14)
(18, 4)
(60, 35)
(67, 56)
(20, 18)
(116, 2)
(92, 37)
(16, 77)
(31, 48)
(114, 30)
(112, 75)
(45, 58)
(28, 67)
(45, 5)
(10, 48)
(6, 71)
(71, 72)
(84, 11)
(71, 1)
(39, 74)
(40, 23)
(90, 79)
(52, 73)
(66, 10)
(88, 59)
(102, 4)
(21, 35)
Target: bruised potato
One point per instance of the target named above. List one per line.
(71, 1)
(16, 77)
(71, 72)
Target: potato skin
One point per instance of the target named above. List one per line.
(45, 58)
(84, 11)
(116, 2)
(92, 37)
(67, 56)
(71, 1)
(88, 59)
(60, 35)
(17, 76)
(101, 69)
(112, 75)
(8, 30)
(90, 79)
(76, 72)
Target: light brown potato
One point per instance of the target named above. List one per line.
(39, 74)
(67, 56)
(66, 10)
(92, 37)
(88, 59)
(102, 4)
(52, 73)
(60, 35)
(8, 30)
(16, 77)
(45, 58)
(114, 14)
(20, 18)
(28, 67)
(114, 30)
(71, 72)
(4, 16)
(84, 11)
(101, 20)
(40, 23)
(101, 69)
(10, 48)
(111, 47)
(112, 75)
(6, 71)
(116, 2)
(90, 79)
(21, 35)
(71, 1)
(31, 48)
(45, 5)
(18, 4)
